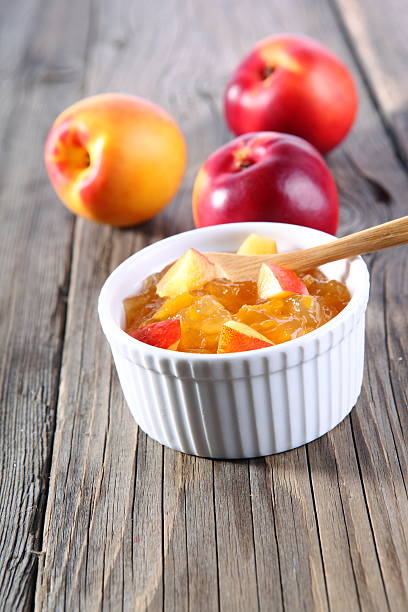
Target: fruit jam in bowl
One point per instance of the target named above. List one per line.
(197, 306)
(227, 401)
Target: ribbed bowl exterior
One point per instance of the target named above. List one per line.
(252, 404)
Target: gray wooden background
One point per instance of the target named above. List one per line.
(93, 514)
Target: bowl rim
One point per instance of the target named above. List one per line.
(114, 332)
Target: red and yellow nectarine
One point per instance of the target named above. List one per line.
(292, 84)
(115, 158)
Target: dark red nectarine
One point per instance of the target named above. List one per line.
(266, 176)
(292, 84)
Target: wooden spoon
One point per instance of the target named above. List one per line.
(244, 267)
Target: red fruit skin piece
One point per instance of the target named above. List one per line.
(289, 280)
(162, 334)
(236, 337)
(292, 84)
(266, 176)
(246, 343)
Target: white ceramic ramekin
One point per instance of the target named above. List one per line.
(239, 404)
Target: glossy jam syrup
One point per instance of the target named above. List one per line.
(204, 311)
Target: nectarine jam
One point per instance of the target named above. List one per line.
(173, 310)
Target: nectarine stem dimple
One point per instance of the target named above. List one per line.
(244, 163)
(267, 71)
(242, 158)
(67, 151)
(77, 157)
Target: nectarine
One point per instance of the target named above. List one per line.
(266, 176)
(115, 158)
(292, 84)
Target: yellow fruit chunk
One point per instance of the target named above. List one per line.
(336, 295)
(255, 244)
(285, 318)
(174, 346)
(173, 305)
(201, 324)
(231, 295)
(307, 301)
(236, 337)
(189, 272)
(139, 309)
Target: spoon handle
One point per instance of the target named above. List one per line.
(244, 267)
(392, 233)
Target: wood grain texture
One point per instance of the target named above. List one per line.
(35, 247)
(235, 542)
(376, 432)
(384, 419)
(354, 577)
(190, 553)
(242, 267)
(303, 580)
(378, 41)
(130, 525)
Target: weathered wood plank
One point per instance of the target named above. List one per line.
(176, 562)
(235, 544)
(342, 516)
(378, 39)
(35, 272)
(384, 66)
(376, 429)
(385, 71)
(384, 407)
(365, 156)
(302, 575)
(183, 536)
(370, 30)
(108, 493)
(142, 579)
(190, 556)
(266, 541)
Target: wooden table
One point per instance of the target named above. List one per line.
(95, 515)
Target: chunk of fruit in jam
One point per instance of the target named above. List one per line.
(284, 317)
(140, 309)
(335, 296)
(201, 324)
(173, 305)
(236, 337)
(275, 280)
(189, 272)
(254, 244)
(164, 334)
(231, 295)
